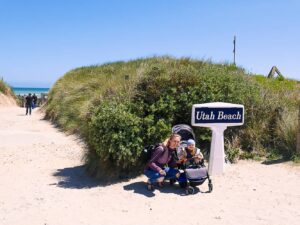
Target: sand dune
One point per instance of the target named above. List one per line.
(6, 100)
(43, 182)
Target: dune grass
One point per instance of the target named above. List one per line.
(3, 87)
(6, 89)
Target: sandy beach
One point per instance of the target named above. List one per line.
(43, 183)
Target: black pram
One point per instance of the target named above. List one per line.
(193, 174)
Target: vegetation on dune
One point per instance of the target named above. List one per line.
(120, 107)
(6, 89)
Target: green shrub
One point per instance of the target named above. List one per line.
(296, 157)
(232, 154)
(170, 93)
(115, 135)
(247, 155)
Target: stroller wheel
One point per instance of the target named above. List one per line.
(190, 190)
(210, 186)
(183, 184)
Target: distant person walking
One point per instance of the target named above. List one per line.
(24, 101)
(34, 101)
(28, 104)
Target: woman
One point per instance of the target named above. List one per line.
(162, 165)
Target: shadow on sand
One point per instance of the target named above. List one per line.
(141, 188)
(275, 161)
(75, 178)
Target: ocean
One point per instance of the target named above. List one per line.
(26, 90)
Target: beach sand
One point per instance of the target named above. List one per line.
(43, 182)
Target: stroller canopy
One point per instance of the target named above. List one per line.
(185, 131)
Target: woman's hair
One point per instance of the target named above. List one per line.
(172, 136)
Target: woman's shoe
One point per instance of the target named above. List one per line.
(160, 184)
(150, 186)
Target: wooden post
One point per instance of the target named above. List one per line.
(298, 133)
(234, 40)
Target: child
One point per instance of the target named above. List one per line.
(193, 155)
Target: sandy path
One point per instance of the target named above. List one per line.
(42, 182)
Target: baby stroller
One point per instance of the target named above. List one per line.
(194, 174)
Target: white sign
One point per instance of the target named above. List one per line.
(217, 116)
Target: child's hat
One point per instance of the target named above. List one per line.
(190, 142)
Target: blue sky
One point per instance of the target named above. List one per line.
(41, 40)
